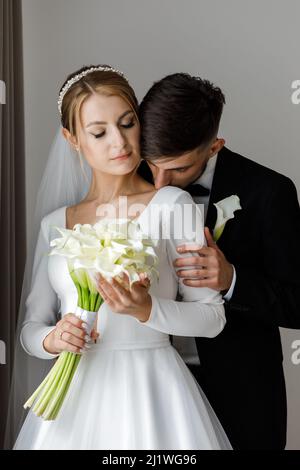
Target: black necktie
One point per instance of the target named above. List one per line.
(197, 190)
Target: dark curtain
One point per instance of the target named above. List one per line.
(12, 191)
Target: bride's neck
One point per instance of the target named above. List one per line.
(107, 188)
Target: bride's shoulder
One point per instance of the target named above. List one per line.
(54, 218)
(172, 194)
(55, 214)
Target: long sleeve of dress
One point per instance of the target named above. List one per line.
(41, 303)
(201, 311)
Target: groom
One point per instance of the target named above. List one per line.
(255, 263)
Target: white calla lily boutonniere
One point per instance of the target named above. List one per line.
(225, 211)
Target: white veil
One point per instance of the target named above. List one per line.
(66, 181)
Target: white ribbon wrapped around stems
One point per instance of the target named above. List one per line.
(88, 317)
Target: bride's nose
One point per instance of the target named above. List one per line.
(118, 139)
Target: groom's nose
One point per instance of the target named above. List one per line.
(162, 178)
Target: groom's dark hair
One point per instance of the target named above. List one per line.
(178, 114)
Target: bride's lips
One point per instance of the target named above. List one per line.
(122, 157)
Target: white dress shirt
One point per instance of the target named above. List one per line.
(186, 346)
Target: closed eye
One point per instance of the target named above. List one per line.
(181, 170)
(125, 126)
(129, 125)
(97, 136)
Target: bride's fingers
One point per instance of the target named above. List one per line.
(144, 282)
(94, 334)
(74, 330)
(70, 348)
(108, 289)
(124, 293)
(101, 287)
(102, 290)
(70, 318)
(136, 286)
(105, 296)
(102, 293)
(67, 343)
(68, 337)
(125, 280)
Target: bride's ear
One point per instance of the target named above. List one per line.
(70, 138)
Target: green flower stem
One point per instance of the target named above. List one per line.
(64, 387)
(85, 298)
(50, 388)
(77, 284)
(52, 379)
(93, 299)
(79, 291)
(98, 303)
(62, 397)
(31, 399)
(49, 396)
(60, 386)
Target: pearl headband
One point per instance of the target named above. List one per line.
(78, 77)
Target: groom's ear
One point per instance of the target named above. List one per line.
(216, 146)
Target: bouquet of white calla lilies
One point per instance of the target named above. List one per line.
(111, 248)
(225, 211)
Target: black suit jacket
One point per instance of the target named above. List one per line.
(241, 369)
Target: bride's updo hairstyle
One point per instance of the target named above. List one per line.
(94, 79)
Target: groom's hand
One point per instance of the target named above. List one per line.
(209, 269)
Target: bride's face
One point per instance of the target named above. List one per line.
(109, 135)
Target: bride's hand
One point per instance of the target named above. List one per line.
(134, 301)
(68, 335)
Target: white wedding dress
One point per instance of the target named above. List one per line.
(131, 390)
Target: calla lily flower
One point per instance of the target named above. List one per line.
(225, 211)
(110, 247)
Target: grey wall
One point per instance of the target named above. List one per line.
(250, 49)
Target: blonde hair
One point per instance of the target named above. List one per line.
(107, 83)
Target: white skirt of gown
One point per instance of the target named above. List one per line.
(135, 397)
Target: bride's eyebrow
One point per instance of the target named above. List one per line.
(103, 122)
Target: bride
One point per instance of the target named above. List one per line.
(131, 390)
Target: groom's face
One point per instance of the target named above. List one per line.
(185, 169)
